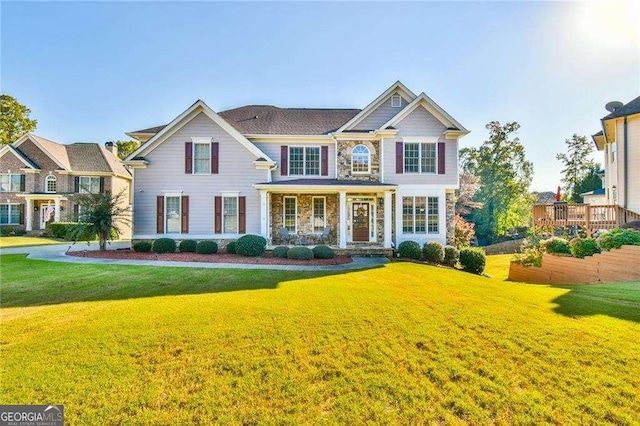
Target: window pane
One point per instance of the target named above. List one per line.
(51, 184)
(318, 215)
(290, 214)
(15, 183)
(173, 214)
(201, 158)
(4, 214)
(312, 161)
(5, 183)
(296, 161)
(407, 215)
(230, 216)
(360, 159)
(428, 158)
(14, 210)
(421, 215)
(89, 185)
(432, 216)
(411, 157)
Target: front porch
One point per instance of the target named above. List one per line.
(40, 209)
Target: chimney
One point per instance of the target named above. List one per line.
(112, 147)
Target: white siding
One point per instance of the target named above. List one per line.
(633, 163)
(273, 150)
(420, 123)
(165, 172)
(380, 115)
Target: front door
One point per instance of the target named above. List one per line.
(360, 215)
(47, 213)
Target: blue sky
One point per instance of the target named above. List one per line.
(91, 71)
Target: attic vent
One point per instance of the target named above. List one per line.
(396, 101)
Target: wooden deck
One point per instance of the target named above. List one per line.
(590, 217)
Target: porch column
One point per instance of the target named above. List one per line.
(56, 215)
(28, 215)
(264, 215)
(387, 219)
(343, 220)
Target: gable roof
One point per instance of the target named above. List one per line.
(20, 156)
(395, 87)
(56, 152)
(435, 110)
(198, 107)
(633, 107)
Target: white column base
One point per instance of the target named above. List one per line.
(28, 216)
(343, 220)
(387, 220)
(264, 215)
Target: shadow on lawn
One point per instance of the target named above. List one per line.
(52, 283)
(586, 300)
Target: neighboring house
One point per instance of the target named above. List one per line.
(371, 177)
(619, 139)
(38, 175)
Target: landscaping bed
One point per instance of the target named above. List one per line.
(266, 259)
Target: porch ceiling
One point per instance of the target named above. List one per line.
(43, 196)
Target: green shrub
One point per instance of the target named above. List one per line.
(581, 247)
(300, 253)
(164, 245)
(530, 252)
(59, 229)
(280, 251)
(206, 247)
(619, 237)
(433, 252)
(232, 247)
(251, 245)
(556, 245)
(323, 252)
(410, 250)
(187, 246)
(472, 259)
(142, 247)
(451, 255)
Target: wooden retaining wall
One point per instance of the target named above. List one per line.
(617, 265)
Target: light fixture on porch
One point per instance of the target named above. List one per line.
(35, 208)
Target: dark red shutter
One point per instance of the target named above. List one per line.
(399, 157)
(188, 158)
(284, 160)
(22, 183)
(441, 148)
(215, 147)
(160, 214)
(21, 220)
(324, 160)
(76, 184)
(185, 215)
(217, 203)
(242, 215)
(101, 185)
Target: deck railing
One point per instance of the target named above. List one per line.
(590, 217)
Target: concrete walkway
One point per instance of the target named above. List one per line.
(56, 253)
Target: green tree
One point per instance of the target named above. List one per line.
(101, 215)
(126, 147)
(504, 176)
(14, 120)
(576, 163)
(590, 181)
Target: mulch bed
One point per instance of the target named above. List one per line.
(267, 259)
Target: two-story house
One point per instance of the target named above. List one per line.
(619, 140)
(370, 177)
(38, 175)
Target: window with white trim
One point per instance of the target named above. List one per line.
(304, 161)
(319, 216)
(420, 215)
(89, 185)
(420, 158)
(396, 101)
(360, 159)
(290, 213)
(10, 183)
(9, 214)
(172, 214)
(201, 158)
(230, 215)
(52, 183)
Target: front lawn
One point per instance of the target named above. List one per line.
(404, 343)
(7, 242)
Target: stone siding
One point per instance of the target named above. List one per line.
(344, 160)
(450, 218)
(305, 206)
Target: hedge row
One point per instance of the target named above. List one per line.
(471, 259)
(168, 245)
(304, 253)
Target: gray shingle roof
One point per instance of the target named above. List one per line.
(632, 107)
(272, 120)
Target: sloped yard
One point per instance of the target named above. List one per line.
(402, 344)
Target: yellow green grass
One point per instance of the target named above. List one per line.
(7, 242)
(401, 344)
